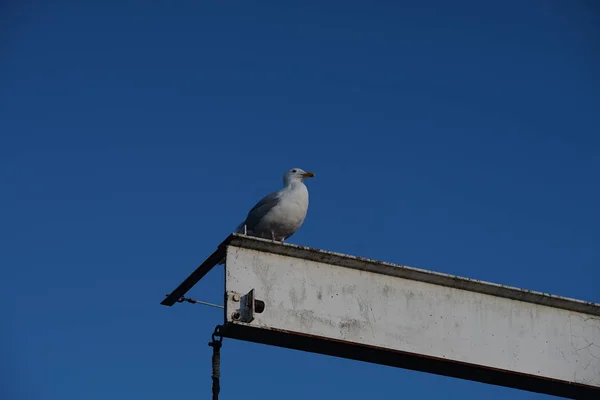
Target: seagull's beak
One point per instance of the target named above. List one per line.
(308, 175)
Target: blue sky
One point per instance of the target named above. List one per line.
(461, 137)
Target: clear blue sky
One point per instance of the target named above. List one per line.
(135, 135)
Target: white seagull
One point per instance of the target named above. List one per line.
(280, 214)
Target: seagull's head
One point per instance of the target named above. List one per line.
(296, 175)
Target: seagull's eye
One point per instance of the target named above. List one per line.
(294, 171)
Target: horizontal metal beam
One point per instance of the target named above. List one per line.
(363, 309)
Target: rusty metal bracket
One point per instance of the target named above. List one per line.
(249, 305)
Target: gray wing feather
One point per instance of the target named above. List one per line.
(258, 211)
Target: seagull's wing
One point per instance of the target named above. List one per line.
(259, 210)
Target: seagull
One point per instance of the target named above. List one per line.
(279, 214)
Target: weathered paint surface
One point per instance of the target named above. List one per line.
(388, 310)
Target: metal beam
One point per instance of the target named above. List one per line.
(330, 303)
(373, 311)
(194, 277)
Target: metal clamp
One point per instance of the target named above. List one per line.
(249, 305)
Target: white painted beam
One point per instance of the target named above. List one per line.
(390, 314)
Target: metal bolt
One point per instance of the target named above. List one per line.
(236, 297)
(259, 306)
(236, 315)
